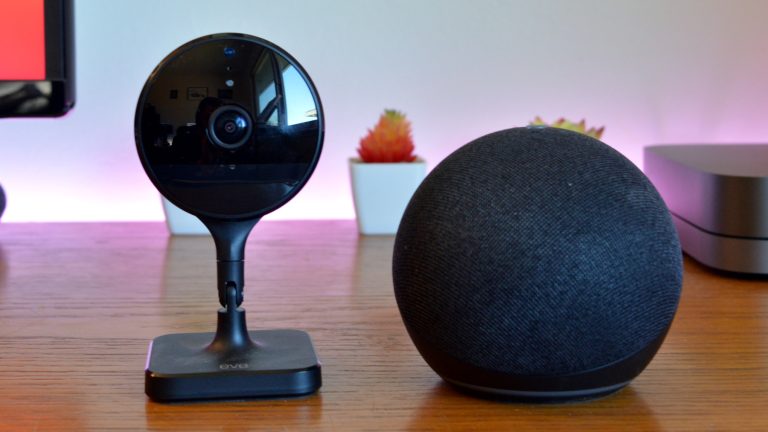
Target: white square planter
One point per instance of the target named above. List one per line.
(180, 222)
(381, 192)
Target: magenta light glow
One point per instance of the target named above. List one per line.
(651, 72)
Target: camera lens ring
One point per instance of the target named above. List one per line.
(229, 127)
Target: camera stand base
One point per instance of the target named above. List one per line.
(282, 363)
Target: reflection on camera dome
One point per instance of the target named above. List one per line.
(190, 160)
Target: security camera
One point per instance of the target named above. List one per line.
(229, 127)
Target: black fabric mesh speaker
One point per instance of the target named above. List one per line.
(539, 263)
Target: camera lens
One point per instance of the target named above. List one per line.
(229, 127)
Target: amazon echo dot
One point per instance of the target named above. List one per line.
(537, 264)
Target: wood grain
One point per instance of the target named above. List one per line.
(80, 302)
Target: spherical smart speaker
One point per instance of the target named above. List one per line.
(537, 264)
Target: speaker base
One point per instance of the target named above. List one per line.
(537, 396)
(540, 388)
(183, 367)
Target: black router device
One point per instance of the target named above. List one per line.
(718, 197)
(229, 127)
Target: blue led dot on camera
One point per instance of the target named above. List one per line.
(229, 52)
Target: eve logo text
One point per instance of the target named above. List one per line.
(233, 365)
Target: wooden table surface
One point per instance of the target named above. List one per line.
(80, 302)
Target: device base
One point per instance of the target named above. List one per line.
(183, 367)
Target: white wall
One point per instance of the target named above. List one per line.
(651, 71)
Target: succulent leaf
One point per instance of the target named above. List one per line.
(563, 123)
(389, 141)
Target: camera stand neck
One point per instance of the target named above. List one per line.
(230, 237)
(231, 329)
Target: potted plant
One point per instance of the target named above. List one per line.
(580, 127)
(385, 175)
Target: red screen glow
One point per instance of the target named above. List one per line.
(22, 40)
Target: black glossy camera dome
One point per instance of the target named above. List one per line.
(233, 116)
